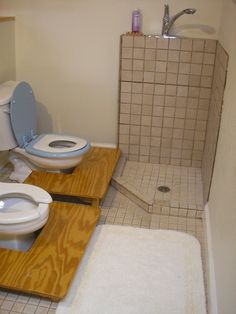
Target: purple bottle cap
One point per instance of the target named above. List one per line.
(136, 21)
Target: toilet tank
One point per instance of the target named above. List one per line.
(7, 138)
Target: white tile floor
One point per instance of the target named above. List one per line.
(116, 208)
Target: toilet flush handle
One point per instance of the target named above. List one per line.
(6, 110)
(25, 141)
(33, 134)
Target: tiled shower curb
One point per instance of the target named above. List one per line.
(160, 207)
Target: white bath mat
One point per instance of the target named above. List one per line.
(128, 270)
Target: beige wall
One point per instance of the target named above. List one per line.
(69, 52)
(222, 201)
(7, 59)
(7, 51)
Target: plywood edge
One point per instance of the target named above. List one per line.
(7, 18)
(89, 180)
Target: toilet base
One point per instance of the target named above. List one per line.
(21, 242)
(22, 168)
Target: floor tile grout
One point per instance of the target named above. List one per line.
(116, 208)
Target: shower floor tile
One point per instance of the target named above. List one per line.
(139, 181)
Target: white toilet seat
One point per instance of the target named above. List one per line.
(57, 146)
(18, 216)
(23, 208)
(29, 191)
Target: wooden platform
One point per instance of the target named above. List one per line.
(89, 180)
(49, 266)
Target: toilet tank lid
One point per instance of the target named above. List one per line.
(6, 91)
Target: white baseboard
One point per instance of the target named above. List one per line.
(106, 145)
(211, 284)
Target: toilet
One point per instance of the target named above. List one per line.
(24, 209)
(28, 149)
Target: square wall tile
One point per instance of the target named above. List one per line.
(151, 42)
(174, 44)
(198, 45)
(165, 98)
(186, 44)
(139, 42)
(162, 43)
(150, 54)
(138, 53)
(149, 65)
(127, 53)
(127, 41)
(161, 55)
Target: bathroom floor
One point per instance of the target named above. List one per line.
(118, 209)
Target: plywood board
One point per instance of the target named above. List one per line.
(90, 179)
(49, 266)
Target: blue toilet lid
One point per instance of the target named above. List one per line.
(23, 114)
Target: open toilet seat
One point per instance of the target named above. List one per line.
(23, 208)
(57, 146)
(23, 117)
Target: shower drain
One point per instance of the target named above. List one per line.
(163, 188)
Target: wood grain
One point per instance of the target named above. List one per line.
(90, 179)
(49, 266)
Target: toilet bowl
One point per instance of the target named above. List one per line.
(24, 209)
(29, 150)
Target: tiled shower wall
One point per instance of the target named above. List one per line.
(171, 96)
(165, 90)
(213, 124)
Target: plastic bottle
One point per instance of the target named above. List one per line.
(136, 21)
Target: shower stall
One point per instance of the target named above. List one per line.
(170, 102)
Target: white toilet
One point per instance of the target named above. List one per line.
(28, 150)
(24, 209)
